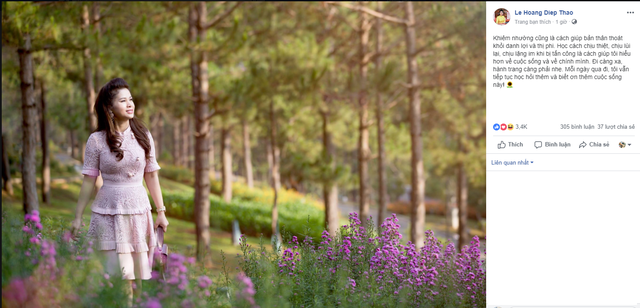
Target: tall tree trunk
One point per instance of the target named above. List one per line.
(269, 160)
(90, 93)
(46, 170)
(447, 207)
(159, 134)
(95, 19)
(195, 79)
(203, 185)
(329, 186)
(153, 129)
(83, 146)
(6, 170)
(248, 166)
(363, 141)
(190, 139)
(184, 143)
(29, 119)
(275, 173)
(329, 189)
(212, 153)
(175, 151)
(462, 193)
(36, 92)
(382, 178)
(417, 164)
(225, 151)
(72, 144)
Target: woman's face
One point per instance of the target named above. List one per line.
(123, 107)
(501, 13)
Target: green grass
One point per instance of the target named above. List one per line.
(180, 238)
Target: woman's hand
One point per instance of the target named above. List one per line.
(161, 221)
(75, 227)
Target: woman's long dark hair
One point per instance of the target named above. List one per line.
(106, 122)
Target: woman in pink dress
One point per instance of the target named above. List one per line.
(122, 151)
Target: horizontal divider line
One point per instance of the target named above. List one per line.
(564, 170)
(574, 153)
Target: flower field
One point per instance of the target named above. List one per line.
(357, 268)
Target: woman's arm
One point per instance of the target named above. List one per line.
(153, 184)
(88, 183)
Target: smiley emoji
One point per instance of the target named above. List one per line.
(510, 126)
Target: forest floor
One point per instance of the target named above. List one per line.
(181, 235)
(180, 238)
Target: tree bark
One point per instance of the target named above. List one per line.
(417, 164)
(29, 119)
(95, 19)
(382, 178)
(225, 151)
(184, 143)
(190, 140)
(159, 136)
(330, 188)
(6, 170)
(275, 173)
(447, 207)
(83, 146)
(248, 166)
(462, 193)
(203, 185)
(72, 144)
(46, 170)
(36, 91)
(195, 80)
(90, 93)
(212, 154)
(269, 160)
(175, 151)
(363, 141)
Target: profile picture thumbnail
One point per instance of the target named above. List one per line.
(501, 17)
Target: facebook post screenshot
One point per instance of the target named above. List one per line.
(563, 154)
(250, 154)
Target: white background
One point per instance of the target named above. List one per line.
(566, 229)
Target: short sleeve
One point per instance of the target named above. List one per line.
(152, 163)
(91, 165)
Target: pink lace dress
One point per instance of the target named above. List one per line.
(121, 220)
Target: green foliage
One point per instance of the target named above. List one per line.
(251, 207)
(360, 267)
(295, 55)
(252, 213)
(42, 266)
(178, 174)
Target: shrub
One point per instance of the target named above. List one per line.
(239, 189)
(178, 174)
(253, 217)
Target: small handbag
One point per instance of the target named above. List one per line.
(162, 250)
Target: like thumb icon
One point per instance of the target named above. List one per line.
(501, 145)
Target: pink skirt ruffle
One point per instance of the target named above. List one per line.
(127, 238)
